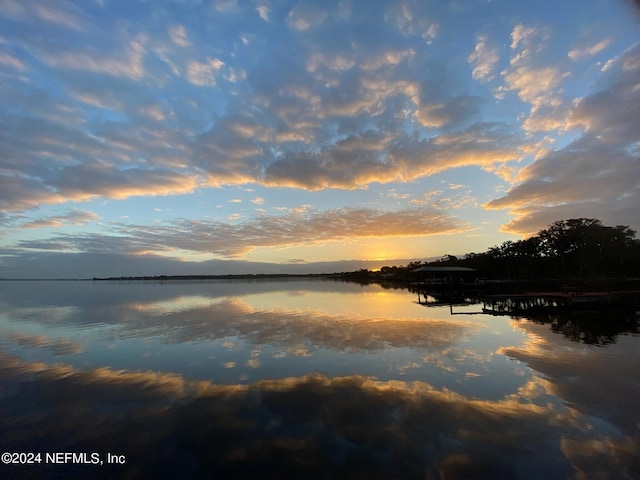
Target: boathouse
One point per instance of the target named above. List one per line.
(444, 275)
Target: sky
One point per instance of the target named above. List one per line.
(227, 136)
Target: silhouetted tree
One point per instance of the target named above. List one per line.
(577, 247)
(584, 246)
(574, 248)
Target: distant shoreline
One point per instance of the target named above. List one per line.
(230, 276)
(239, 276)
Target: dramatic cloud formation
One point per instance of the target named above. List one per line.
(595, 175)
(184, 104)
(610, 399)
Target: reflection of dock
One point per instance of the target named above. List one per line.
(450, 299)
(537, 303)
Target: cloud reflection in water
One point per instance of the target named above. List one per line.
(353, 427)
(564, 416)
(598, 385)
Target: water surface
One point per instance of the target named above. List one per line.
(240, 379)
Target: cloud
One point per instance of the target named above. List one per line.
(336, 62)
(204, 73)
(534, 80)
(431, 32)
(484, 59)
(610, 114)
(306, 15)
(61, 14)
(178, 35)
(128, 111)
(298, 227)
(230, 316)
(23, 193)
(414, 19)
(450, 112)
(301, 95)
(387, 59)
(576, 184)
(521, 34)
(49, 156)
(534, 85)
(379, 428)
(154, 112)
(98, 179)
(226, 6)
(295, 228)
(58, 346)
(601, 395)
(587, 51)
(10, 61)
(74, 217)
(595, 176)
(128, 63)
(348, 164)
(264, 12)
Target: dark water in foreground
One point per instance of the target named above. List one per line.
(315, 379)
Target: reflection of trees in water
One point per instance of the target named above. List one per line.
(601, 327)
(592, 328)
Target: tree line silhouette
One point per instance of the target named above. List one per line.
(574, 248)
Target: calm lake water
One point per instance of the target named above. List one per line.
(313, 378)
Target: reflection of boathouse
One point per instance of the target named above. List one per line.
(444, 275)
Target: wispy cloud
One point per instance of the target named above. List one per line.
(65, 16)
(536, 81)
(178, 35)
(306, 15)
(74, 217)
(62, 14)
(10, 61)
(298, 227)
(587, 51)
(263, 11)
(204, 73)
(595, 175)
(484, 59)
(128, 62)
